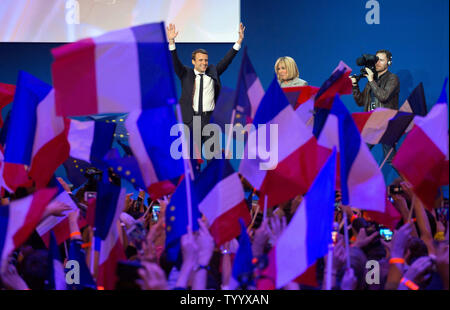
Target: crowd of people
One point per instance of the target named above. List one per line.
(415, 257)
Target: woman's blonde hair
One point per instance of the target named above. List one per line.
(291, 67)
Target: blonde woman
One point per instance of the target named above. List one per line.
(287, 72)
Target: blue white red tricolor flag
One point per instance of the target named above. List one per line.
(308, 234)
(221, 200)
(118, 72)
(423, 158)
(36, 136)
(361, 181)
(19, 219)
(295, 151)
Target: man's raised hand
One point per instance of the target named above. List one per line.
(241, 33)
(171, 32)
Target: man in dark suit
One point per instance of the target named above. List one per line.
(200, 87)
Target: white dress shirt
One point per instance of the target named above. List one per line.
(208, 92)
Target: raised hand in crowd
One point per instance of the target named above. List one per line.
(189, 250)
(260, 238)
(152, 241)
(276, 228)
(205, 244)
(416, 271)
(152, 277)
(11, 278)
(339, 254)
(73, 223)
(362, 239)
(400, 240)
(227, 249)
(399, 243)
(128, 202)
(56, 208)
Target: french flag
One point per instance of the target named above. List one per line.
(337, 83)
(36, 136)
(305, 105)
(361, 181)
(221, 200)
(6, 97)
(118, 72)
(59, 225)
(109, 205)
(90, 140)
(298, 156)
(416, 102)
(249, 91)
(382, 125)
(300, 95)
(242, 272)
(423, 157)
(151, 142)
(3, 185)
(19, 219)
(308, 235)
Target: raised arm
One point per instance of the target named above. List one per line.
(172, 33)
(226, 61)
(356, 92)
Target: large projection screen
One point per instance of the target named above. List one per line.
(211, 21)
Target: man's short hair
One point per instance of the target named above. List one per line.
(200, 50)
(387, 53)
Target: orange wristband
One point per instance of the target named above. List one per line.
(410, 284)
(396, 260)
(86, 245)
(75, 233)
(354, 217)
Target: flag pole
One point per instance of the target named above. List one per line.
(229, 135)
(387, 156)
(329, 266)
(187, 168)
(265, 208)
(253, 220)
(347, 250)
(65, 249)
(92, 252)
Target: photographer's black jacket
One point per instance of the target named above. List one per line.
(386, 89)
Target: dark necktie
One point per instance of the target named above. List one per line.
(200, 95)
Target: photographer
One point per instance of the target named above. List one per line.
(382, 89)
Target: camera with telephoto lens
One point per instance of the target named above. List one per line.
(366, 61)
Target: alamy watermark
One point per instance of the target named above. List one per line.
(262, 142)
(72, 268)
(373, 15)
(72, 12)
